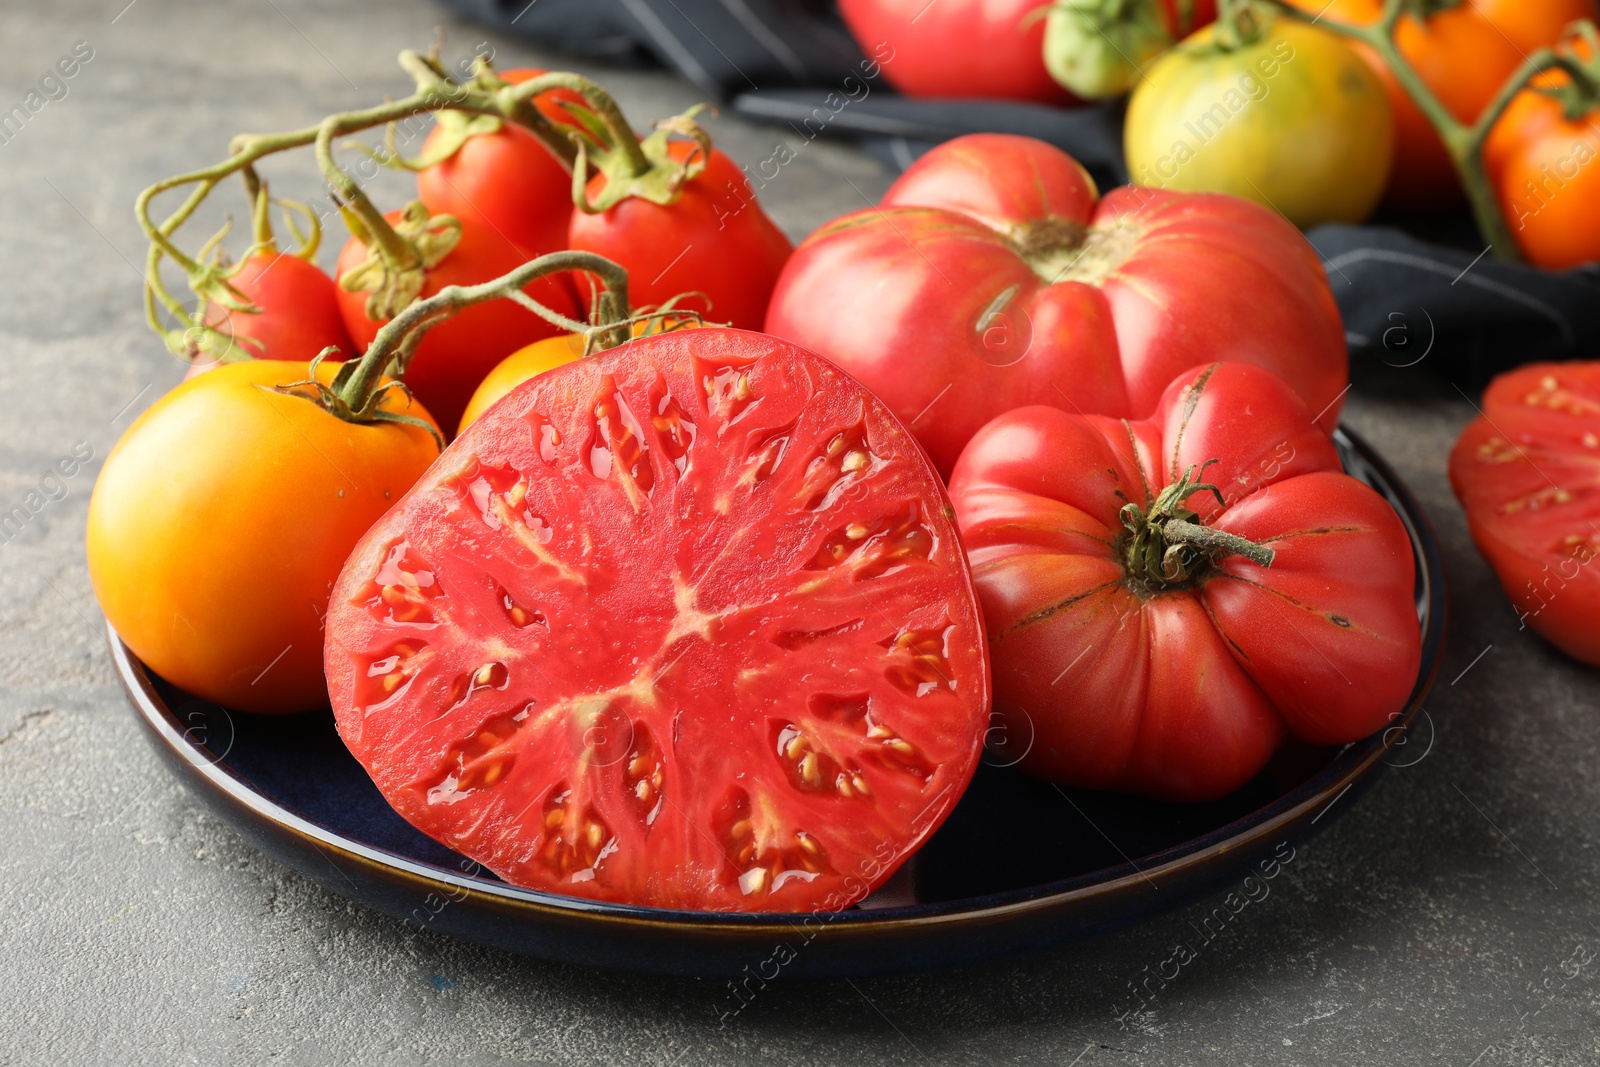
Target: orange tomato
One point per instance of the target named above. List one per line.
(527, 362)
(1547, 175)
(1541, 165)
(533, 360)
(221, 519)
(1464, 54)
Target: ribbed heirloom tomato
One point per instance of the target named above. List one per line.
(686, 624)
(992, 278)
(1527, 473)
(1168, 599)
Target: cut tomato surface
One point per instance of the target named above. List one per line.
(684, 625)
(1527, 473)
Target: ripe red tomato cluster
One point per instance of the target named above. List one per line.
(513, 201)
(697, 623)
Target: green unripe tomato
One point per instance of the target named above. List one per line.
(1266, 108)
(1096, 48)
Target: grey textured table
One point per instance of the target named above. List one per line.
(1449, 917)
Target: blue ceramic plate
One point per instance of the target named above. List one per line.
(1019, 865)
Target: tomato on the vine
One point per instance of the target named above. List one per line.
(505, 179)
(992, 277)
(456, 355)
(1168, 599)
(299, 313)
(956, 48)
(1464, 53)
(1527, 473)
(1540, 157)
(683, 625)
(713, 239)
(221, 519)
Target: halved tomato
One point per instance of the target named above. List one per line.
(685, 625)
(1527, 473)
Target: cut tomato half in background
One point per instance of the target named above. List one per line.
(1527, 473)
(685, 625)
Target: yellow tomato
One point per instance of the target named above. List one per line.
(1292, 119)
(221, 519)
(527, 362)
(548, 354)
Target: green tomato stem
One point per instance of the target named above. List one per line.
(357, 385)
(1464, 142)
(484, 95)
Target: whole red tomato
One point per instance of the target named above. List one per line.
(1464, 53)
(299, 314)
(506, 180)
(984, 48)
(1527, 473)
(992, 278)
(1148, 657)
(686, 625)
(713, 239)
(456, 355)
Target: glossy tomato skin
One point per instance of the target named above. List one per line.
(506, 180)
(1464, 54)
(221, 519)
(1525, 474)
(941, 302)
(1295, 121)
(683, 625)
(1541, 164)
(299, 314)
(1184, 692)
(958, 48)
(524, 363)
(456, 354)
(534, 360)
(713, 239)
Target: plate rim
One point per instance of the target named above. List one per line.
(1280, 817)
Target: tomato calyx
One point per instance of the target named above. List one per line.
(398, 256)
(1095, 48)
(211, 274)
(1167, 547)
(358, 388)
(1579, 92)
(1240, 23)
(1063, 250)
(634, 167)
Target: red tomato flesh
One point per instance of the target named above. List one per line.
(1527, 472)
(686, 625)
